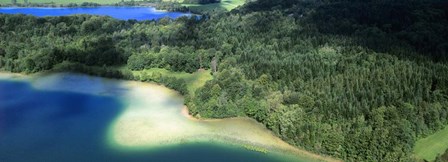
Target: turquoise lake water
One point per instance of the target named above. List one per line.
(52, 126)
(122, 13)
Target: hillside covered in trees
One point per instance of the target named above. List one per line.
(357, 80)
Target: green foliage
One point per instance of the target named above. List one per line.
(192, 80)
(339, 77)
(56, 39)
(176, 84)
(363, 95)
(92, 70)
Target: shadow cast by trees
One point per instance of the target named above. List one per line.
(394, 27)
(358, 80)
(385, 26)
(104, 71)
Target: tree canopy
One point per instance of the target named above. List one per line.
(357, 80)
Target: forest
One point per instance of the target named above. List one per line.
(442, 158)
(357, 80)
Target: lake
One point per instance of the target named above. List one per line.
(73, 117)
(122, 13)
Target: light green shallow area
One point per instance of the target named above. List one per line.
(430, 147)
(146, 123)
(154, 117)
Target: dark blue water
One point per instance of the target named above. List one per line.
(53, 126)
(122, 13)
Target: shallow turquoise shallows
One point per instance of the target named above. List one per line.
(122, 13)
(52, 126)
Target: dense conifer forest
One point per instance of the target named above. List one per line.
(357, 80)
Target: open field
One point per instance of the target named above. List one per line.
(194, 80)
(430, 147)
(225, 4)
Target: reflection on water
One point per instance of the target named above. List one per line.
(68, 117)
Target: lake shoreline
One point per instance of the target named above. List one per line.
(6, 75)
(275, 146)
(138, 13)
(62, 6)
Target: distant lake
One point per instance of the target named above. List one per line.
(122, 13)
(70, 117)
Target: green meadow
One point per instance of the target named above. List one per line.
(194, 80)
(225, 4)
(430, 147)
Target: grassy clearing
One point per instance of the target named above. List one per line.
(225, 4)
(194, 80)
(430, 147)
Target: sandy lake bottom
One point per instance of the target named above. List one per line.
(72, 117)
